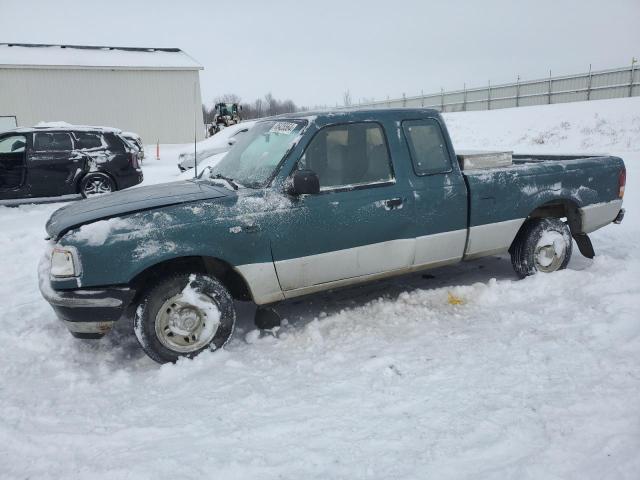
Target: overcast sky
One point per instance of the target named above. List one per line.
(313, 51)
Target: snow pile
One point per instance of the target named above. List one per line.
(597, 126)
(96, 233)
(460, 372)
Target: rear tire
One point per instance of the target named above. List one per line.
(95, 184)
(542, 245)
(183, 315)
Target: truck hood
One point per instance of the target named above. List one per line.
(129, 201)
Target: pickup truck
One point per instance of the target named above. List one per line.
(306, 203)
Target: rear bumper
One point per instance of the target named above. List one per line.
(88, 313)
(134, 178)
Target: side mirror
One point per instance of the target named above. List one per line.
(305, 182)
(232, 141)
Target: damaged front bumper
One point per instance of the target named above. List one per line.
(87, 313)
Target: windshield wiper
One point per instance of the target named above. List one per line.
(230, 181)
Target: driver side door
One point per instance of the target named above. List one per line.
(360, 223)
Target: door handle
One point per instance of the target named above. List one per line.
(393, 203)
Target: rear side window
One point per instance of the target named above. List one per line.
(86, 140)
(427, 146)
(349, 155)
(115, 143)
(56, 141)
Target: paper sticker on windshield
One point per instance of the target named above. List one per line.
(283, 127)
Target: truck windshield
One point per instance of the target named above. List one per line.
(255, 156)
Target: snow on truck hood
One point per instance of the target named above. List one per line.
(129, 201)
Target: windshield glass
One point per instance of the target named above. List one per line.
(256, 155)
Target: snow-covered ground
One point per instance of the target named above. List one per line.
(463, 372)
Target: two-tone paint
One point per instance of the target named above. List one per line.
(283, 246)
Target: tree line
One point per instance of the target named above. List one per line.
(260, 107)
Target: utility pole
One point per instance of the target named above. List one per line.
(518, 92)
(464, 98)
(589, 84)
(634, 60)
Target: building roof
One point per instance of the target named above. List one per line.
(26, 55)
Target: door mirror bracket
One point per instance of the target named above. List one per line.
(304, 182)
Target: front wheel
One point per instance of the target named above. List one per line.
(183, 315)
(542, 245)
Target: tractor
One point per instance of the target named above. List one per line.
(226, 114)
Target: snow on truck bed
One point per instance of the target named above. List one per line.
(465, 372)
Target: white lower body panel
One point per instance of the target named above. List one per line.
(492, 238)
(599, 214)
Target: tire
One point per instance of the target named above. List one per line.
(171, 319)
(542, 245)
(95, 184)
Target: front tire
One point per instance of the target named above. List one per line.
(183, 315)
(542, 245)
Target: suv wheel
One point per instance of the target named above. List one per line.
(542, 245)
(96, 184)
(183, 315)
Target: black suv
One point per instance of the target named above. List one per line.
(54, 161)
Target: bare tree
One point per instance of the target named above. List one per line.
(346, 98)
(227, 98)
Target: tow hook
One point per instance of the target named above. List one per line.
(620, 216)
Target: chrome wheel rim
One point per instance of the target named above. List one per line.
(183, 326)
(97, 186)
(550, 252)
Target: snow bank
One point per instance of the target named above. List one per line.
(597, 126)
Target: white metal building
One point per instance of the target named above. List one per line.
(154, 92)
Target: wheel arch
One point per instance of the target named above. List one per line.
(562, 207)
(95, 172)
(216, 267)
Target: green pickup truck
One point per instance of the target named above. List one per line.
(312, 202)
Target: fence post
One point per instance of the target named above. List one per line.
(589, 84)
(441, 99)
(464, 98)
(549, 99)
(489, 96)
(518, 92)
(633, 62)
(422, 95)
(404, 99)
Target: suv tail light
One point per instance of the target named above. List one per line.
(622, 181)
(133, 159)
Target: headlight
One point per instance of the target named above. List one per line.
(65, 262)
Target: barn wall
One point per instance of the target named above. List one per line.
(156, 104)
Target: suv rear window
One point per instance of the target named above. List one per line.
(115, 143)
(88, 140)
(52, 141)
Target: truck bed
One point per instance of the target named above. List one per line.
(509, 195)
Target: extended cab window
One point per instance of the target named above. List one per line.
(47, 142)
(427, 146)
(348, 155)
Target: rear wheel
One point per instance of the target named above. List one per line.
(96, 184)
(183, 315)
(542, 245)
